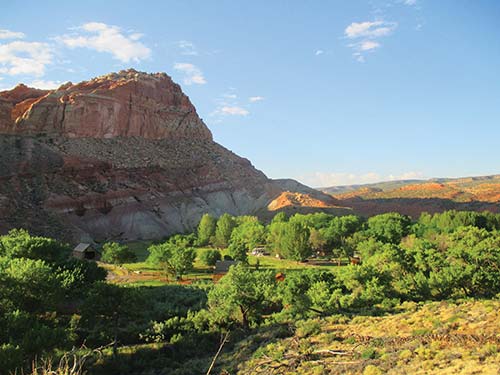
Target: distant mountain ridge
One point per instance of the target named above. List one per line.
(413, 197)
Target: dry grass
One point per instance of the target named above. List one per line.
(437, 338)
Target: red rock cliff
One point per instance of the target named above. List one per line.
(124, 104)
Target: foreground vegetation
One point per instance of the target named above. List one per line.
(377, 316)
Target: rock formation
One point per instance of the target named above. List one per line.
(122, 156)
(124, 104)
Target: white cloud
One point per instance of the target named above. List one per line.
(407, 176)
(20, 57)
(192, 74)
(45, 85)
(374, 29)
(254, 99)
(319, 52)
(365, 35)
(136, 36)
(410, 2)
(368, 45)
(325, 179)
(108, 38)
(7, 34)
(234, 111)
(187, 48)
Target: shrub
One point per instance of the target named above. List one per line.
(307, 328)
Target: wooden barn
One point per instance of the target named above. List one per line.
(85, 251)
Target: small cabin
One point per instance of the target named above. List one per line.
(222, 267)
(85, 251)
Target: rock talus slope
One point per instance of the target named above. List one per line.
(122, 156)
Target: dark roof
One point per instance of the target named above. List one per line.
(82, 247)
(222, 266)
(259, 248)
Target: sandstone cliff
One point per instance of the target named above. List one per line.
(122, 156)
(125, 104)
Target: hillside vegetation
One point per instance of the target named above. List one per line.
(432, 338)
(344, 295)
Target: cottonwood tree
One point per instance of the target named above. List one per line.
(224, 229)
(206, 229)
(175, 260)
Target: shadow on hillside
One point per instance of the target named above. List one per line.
(415, 206)
(190, 354)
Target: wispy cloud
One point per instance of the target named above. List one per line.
(374, 29)
(20, 57)
(410, 2)
(325, 179)
(368, 45)
(229, 105)
(192, 74)
(108, 38)
(45, 85)
(7, 34)
(234, 111)
(254, 99)
(319, 52)
(365, 35)
(187, 48)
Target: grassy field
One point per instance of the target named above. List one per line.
(142, 273)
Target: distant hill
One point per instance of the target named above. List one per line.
(412, 197)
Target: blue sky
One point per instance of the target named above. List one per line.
(326, 92)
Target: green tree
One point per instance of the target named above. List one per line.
(224, 229)
(238, 251)
(76, 275)
(210, 256)
(390, 227)
(310, 291)
(317, 240)
(317, 220)
(280, 217)
(206, 229)
(242, 296)
(276, 231)
(115, 253)
(340, 228)
(29, 284)
(109, 314)
(295, 242)
(175, 260)
(250, 234)
(18, 243)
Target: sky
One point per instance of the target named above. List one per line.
(325, 92)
